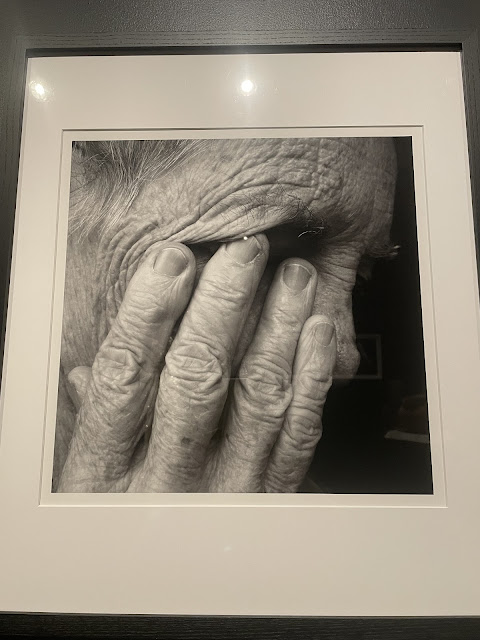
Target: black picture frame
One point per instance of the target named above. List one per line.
(114, 27)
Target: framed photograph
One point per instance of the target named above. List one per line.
(241, 342)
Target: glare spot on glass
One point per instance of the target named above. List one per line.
(247, 87)
(38, 91)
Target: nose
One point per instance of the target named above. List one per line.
(348, 358)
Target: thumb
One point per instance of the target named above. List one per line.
(79, 379)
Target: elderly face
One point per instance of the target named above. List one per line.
(328, 200)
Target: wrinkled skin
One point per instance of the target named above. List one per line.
(338, 191)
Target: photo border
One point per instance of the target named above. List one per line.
(436, 499)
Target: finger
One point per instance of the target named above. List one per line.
(195, 379)
(124, 373)
(262, 391)
(79, 378)
(312, 377)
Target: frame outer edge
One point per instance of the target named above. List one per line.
(59, 625)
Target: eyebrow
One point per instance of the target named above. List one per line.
(295, 214)
(291, 206)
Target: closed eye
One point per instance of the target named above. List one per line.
(286, 241)
(295, 240)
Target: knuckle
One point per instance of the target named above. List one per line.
(120, 368)
(267, 368)
(303, 429)
(312, 388)
(199, 366)
(266, 386)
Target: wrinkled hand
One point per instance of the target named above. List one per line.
(192, 428)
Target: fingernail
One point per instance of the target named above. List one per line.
(245, 250)
(323, 333)
(170, 262)
(296, 277)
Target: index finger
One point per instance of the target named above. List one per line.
(194, 382)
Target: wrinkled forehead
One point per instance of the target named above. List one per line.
(326, 165)
(316, 153)
(342, 185)
(247, 184)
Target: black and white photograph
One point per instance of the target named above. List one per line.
(242, 315)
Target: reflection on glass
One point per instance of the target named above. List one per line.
(38, 91)
(247, 87)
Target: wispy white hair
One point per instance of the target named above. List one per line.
(108, 175)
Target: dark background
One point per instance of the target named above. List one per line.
(353, 455)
